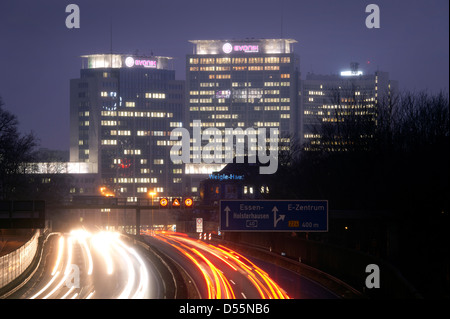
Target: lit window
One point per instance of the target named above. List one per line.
(109, 142)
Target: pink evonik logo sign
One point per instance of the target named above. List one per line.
(130, 62)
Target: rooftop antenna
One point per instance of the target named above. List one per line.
(281, 30)
(354, 66)
(111, 39)
(110, 45)
(281, 22)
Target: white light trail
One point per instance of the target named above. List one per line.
(46, 286)
(131, 273)
(60, 253)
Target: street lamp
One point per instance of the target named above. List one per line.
(152, 194)
(104, 191)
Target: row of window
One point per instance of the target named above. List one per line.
(228, 76)
(225, 108)
(235, 68)
(133, 114)
(260, 91)
(245, 100)
(155, 95)
(240, 124)
(147, 95)
(229, 60)
(143, 161)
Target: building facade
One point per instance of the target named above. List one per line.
(335, 107)
(122, 110)
(248, 83)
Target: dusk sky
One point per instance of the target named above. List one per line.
(39, 54)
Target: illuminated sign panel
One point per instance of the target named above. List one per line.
(188, 202)
(228, 48)
(351, 73)
(163, 202)
(131, 62)
(246, 48)
(176, 202)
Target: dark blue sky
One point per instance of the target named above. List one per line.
(39, 55)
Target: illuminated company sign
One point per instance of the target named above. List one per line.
(351, 73)
(228, 48)
(246, 48)
(131, 62)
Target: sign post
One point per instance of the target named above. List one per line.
(274, 215)
(199, 224)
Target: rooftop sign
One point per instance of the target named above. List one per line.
(228, 48)
(131, 62)
(262, 46)
(351, 73)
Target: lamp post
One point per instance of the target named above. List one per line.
(152, 194)
(106, 193)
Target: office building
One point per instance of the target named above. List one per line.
(247, 83)
(349, 100)
(122, 110)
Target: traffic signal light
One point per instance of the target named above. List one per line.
(188, 202)
(163, 202)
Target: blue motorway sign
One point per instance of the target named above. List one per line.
(274, 215)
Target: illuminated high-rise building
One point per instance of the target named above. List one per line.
(122, 109)
(344, 104)
(248, 83)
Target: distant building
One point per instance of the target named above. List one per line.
(234, 181)
(246, 83)
(66, 178)
(122, 110)
(338, 99)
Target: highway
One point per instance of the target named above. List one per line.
(221, 273)
(96, 264)
(91, 265)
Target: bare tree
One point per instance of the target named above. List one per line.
(15, 149)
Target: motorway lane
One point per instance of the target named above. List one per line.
(92, 265)
(109, 268)
(296, 285)
(249, 278)
(218, 272)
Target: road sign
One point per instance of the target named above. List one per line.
(188, 202)
(199, 224)
(163, 202)
(274, 215)
(176, 202)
